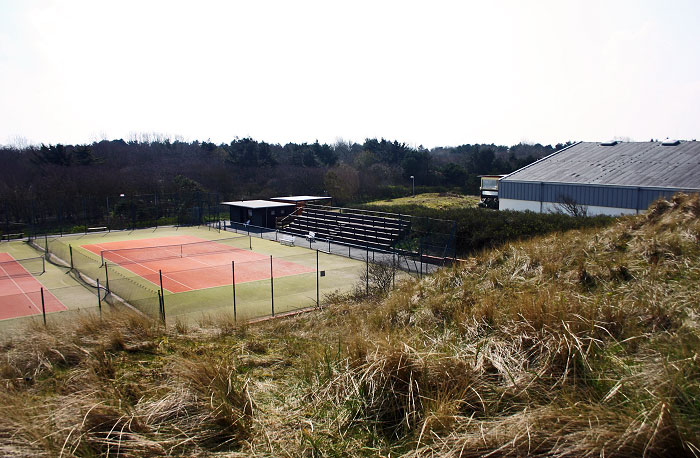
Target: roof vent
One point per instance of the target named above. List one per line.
(668, 142)
(612, 143)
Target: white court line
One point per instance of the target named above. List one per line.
(145, 267)
(194, 258)
(19, 287)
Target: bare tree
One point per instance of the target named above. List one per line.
(569, 206)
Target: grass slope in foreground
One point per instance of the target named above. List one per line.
(577, 344)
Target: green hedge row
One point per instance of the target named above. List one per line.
(479, 228)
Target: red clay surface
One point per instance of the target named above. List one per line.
(194, 272)
(20, 294)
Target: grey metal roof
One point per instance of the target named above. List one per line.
(300, 198)
(256, 204)
(623, 164)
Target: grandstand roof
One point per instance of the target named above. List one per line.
(300, 198)
(256, 204)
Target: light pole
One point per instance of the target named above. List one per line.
(413, 180)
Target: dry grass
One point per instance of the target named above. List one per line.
(431, 200)
(576, 344)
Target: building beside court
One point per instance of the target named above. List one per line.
(488, 191)
(261, 213)
(609, 178)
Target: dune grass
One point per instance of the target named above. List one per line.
(434, 200)
(576, 344)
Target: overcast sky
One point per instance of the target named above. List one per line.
(429, 72)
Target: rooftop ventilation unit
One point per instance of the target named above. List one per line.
(671, 143)
(612, 143)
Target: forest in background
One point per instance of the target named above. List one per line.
(247, 168)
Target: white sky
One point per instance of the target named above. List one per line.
(430, 72)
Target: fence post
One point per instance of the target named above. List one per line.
(70, 252)
(393, 270)
(367, 271)
(162, 294)
(318, 302)
(107, 277)
(233, 273)
(46, 245)
(250, 241)
(99, 299)
(43, 308)
(272, 288)
(420, 258)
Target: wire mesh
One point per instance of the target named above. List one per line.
(22, 267)
(197, 278)
(182, 250)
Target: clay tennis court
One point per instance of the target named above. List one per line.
(183, 272)
(20, 292)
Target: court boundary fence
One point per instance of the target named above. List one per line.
(116, 284)
(415, 264)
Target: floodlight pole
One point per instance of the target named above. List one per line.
(413, 181)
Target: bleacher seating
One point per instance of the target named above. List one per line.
(349, 226)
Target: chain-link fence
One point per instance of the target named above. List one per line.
(25, 217)
(260, 277)
(29, 292)
(414, 263)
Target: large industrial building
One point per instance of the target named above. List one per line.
(610, 178)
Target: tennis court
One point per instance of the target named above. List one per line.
(20, 291)
(190, 263)
(199, 266)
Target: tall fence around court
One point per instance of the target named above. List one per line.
(25, 216)
(31, 291)
(415, 263)
(271, 283)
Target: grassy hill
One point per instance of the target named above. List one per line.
(576, 344)
(431, 200)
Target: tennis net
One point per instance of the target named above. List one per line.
(183, 250)
(22, 267)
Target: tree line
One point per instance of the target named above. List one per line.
(246, 168)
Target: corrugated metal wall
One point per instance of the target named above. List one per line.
(603, 196)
